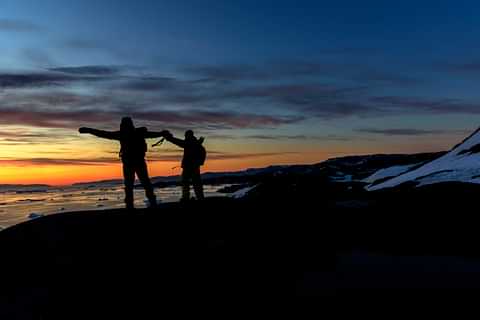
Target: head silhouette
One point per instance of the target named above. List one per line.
(189, 135)
(127, 125)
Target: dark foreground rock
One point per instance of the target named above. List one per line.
(292, 236)
(216, 253)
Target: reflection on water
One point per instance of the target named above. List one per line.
(17, 207)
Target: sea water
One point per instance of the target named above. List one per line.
(19, 206)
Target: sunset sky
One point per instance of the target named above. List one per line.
(266, 82)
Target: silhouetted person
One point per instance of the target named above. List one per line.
(193, 158)
(132, 153)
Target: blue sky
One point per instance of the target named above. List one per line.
(320, 77)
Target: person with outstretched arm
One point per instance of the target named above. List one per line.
(194, 155)
(132, 153)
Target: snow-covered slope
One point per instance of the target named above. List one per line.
(388, 173)
(461, 164)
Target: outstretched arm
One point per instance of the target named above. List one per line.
(154, 134)
(170, 138)
(112, 135)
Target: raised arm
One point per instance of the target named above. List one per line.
(112, 135)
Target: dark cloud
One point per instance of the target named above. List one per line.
(188, 118)
(279, 137)
(262, 72)
(53, 100)
(400, 132)
(63, 76)
(51, 119)
(61, 108)
(314, 100)
(217, 119)
(309, 97)
(151, 84)
(179, 103)
(18, 26)
(32, 80)
(54, 161)
(89, 70)
(298, 70)
(43, 79)
(218, 156)
(228, 72)
(404, 105)
(303, 93)
(329, 110)
(59, 76)
(298, 137)
(374, 77)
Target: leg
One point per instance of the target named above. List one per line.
(185, 185)
(129, 180)
(142, 173)
(197, 183)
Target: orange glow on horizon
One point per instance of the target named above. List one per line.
(59, 175)
(249, 156)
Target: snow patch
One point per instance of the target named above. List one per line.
(388, 172)
(242, 192)
(346, 178)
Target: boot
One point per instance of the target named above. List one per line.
(129, 205)
(185, 193)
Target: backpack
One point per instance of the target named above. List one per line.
(201, 154)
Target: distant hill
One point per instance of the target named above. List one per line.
(101, 183)
(24, 188)
(344, 169)
(208, 178)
